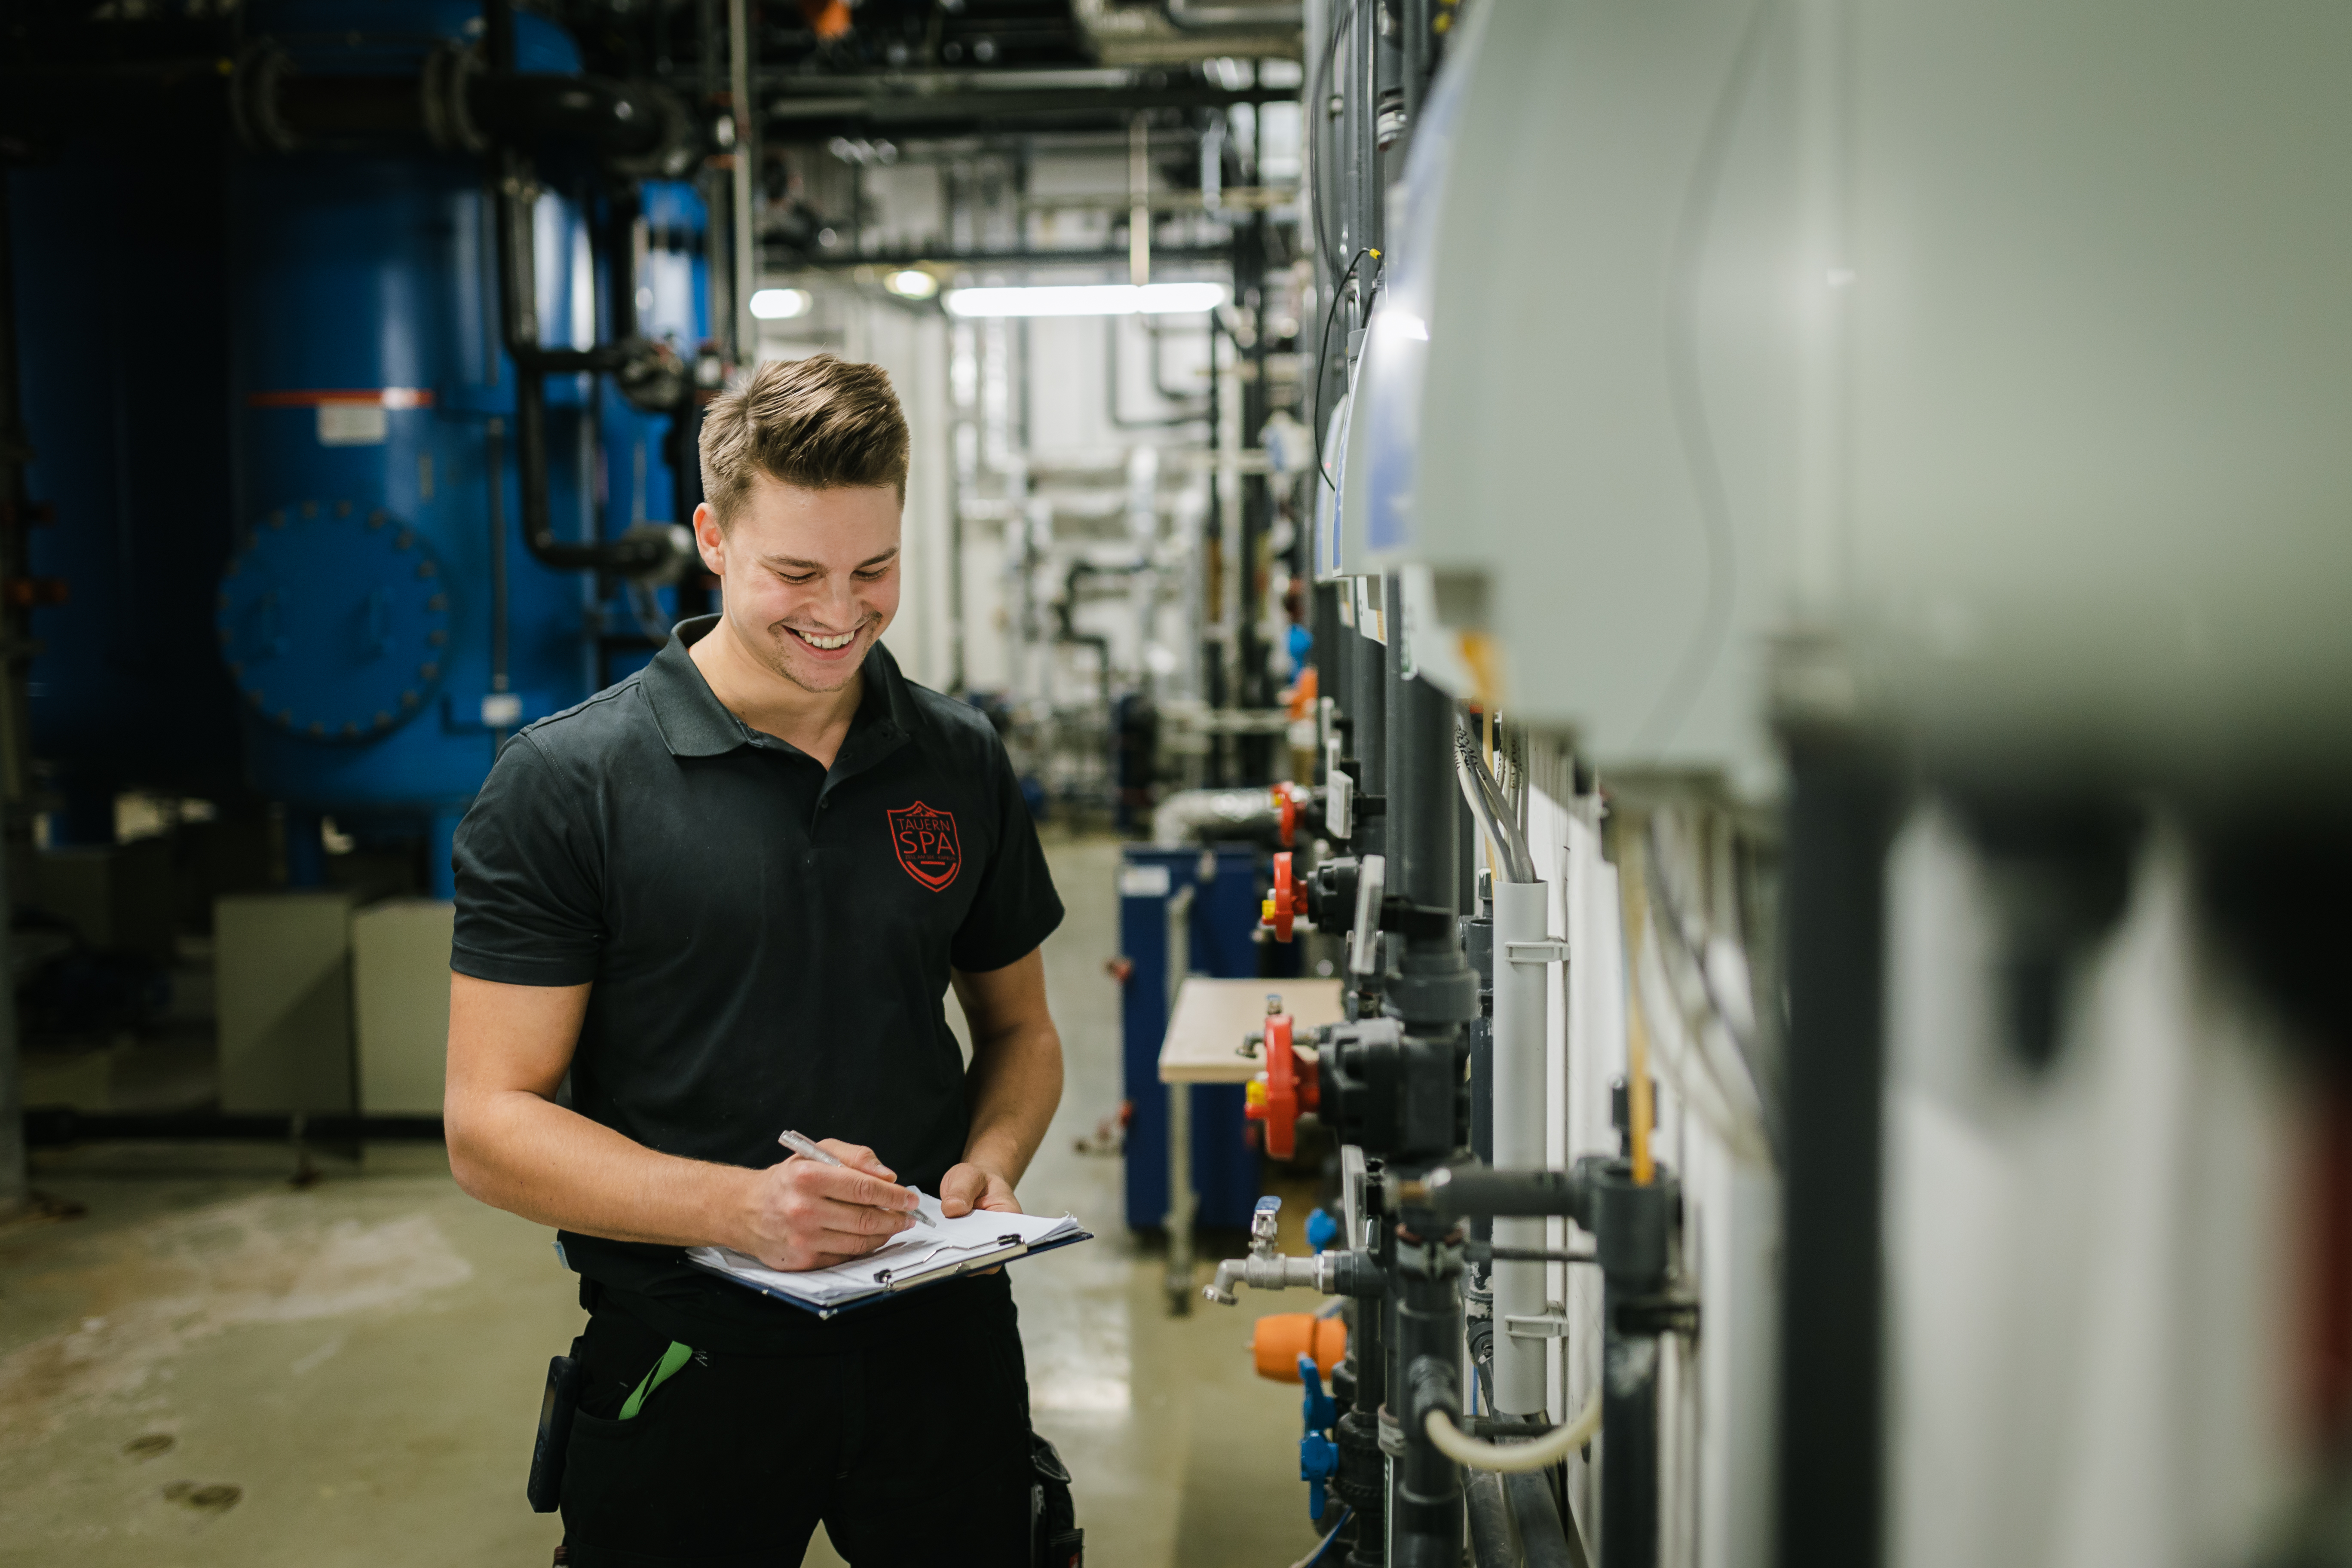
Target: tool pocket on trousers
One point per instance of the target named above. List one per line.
(627, 1484)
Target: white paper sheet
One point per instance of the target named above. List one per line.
(918, 1249)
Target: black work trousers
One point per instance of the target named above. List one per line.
(915, 1455)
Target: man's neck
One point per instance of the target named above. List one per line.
(814, 721)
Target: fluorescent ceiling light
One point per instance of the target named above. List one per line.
(1089, 300)
(780, 304)
(913, 284)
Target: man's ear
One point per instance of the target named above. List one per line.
(710, 539)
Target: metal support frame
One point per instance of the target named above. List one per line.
(16, 516)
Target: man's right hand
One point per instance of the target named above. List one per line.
(804, 1214)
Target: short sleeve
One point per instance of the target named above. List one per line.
(1017, 908)
(530, 906)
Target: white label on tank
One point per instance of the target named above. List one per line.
(351, 424)
(1144, 882)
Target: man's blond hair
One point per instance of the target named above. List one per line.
(820, 422)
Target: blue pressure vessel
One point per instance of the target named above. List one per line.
(379, 614)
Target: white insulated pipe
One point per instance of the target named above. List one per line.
(1521, 917)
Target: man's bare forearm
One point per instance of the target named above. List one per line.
(519, 1152)
(1014, 1084)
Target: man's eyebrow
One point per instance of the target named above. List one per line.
(797, 564)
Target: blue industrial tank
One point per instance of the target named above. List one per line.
(379, 614)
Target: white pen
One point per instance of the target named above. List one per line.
(808, 1149)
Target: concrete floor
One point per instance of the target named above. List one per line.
(214, 1367)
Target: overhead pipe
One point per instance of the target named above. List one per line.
(743, 271)
(460, 101)
(1196, 18)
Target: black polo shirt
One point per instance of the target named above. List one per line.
(769, 940)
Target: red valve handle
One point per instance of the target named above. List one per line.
(1285, 800)
(1281, 906)
(1290, 1084)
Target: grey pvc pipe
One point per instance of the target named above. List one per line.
(1521, 989)
(1522, 907)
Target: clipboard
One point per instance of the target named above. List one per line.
(913, 1279)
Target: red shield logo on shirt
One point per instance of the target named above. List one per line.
(926, 842)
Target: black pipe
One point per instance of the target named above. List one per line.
(643, 554)
(1426, 1528)
(1257, 686)
(1325, 651)
(512, 180)
(494, 460)
(1490, 1521)
(1363, 1462)
(1434, 993)
(1477, 1190)
(1832, 1412)
(1066, 618)
(1549, 1542)
(1433, 988)
(1630, 1221)
(1368, 704)
(498, 35)
(617, 119)
(454, 105)
(1363, 670)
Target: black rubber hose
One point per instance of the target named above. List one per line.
(1544, 1537)
(1490, 1521)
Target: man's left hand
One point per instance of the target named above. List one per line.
(968, 1187)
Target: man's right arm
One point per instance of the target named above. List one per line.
(512, 1147)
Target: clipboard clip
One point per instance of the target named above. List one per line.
(1007, 1248)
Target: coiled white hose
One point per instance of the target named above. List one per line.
(1542, 1454)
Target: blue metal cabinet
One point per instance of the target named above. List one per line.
(1220, 934)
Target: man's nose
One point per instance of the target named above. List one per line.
(840, 604)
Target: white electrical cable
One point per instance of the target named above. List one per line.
(1542, 1454)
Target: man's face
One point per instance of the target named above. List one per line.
(811, 577)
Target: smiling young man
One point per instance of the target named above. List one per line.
(725, 898)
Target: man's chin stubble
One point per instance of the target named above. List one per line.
(781, 663)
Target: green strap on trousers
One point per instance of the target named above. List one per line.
(676, 1356)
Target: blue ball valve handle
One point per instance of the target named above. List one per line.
(1322, 1230)
(1318, 1455)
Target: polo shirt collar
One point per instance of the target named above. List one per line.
(695, 724)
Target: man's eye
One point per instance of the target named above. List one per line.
(873, 576)
(800, 582)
